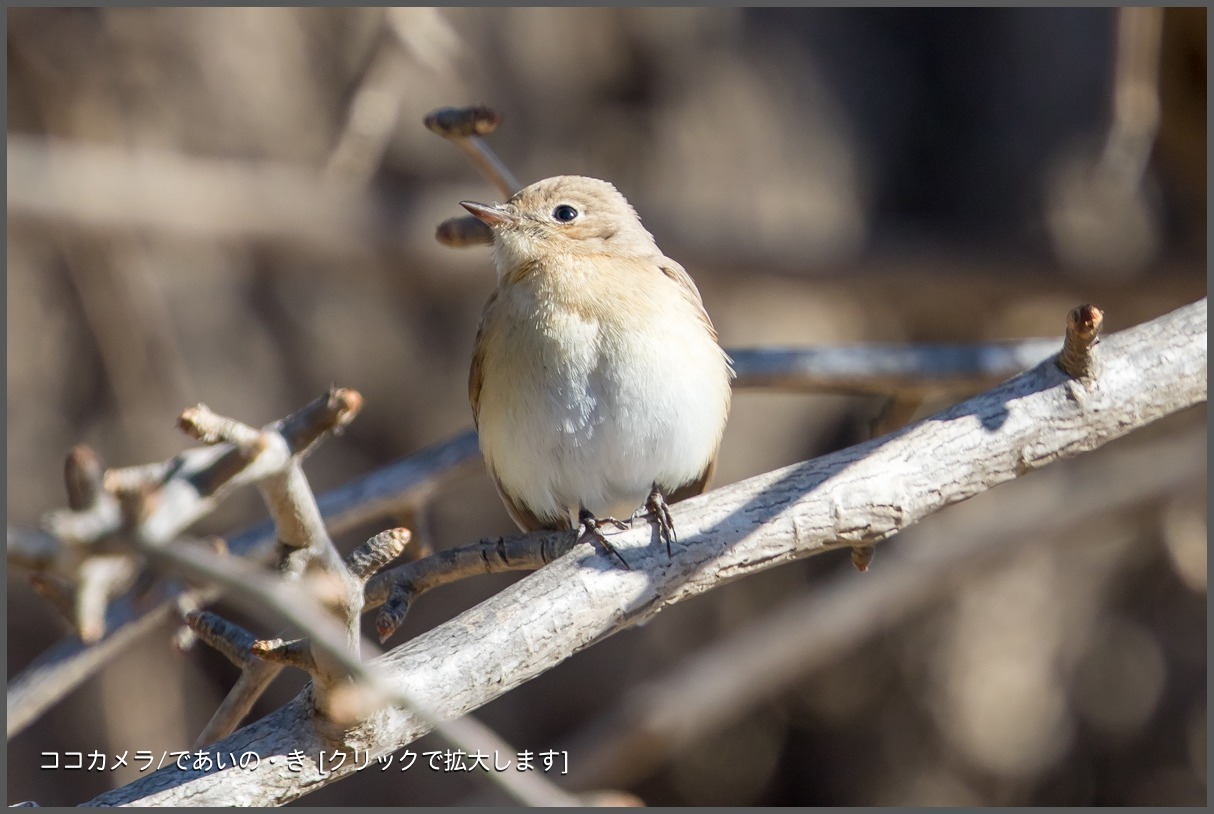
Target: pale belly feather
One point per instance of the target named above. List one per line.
(591, 417)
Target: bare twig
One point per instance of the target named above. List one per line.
(374, 110)
(260, 592)
(464, 126)
(63, 667)
(371, 116)
(396, 589)
(462, 232)
(152, 505)
(151, 512)
(100, 578)
(861, 495)
(235, 643)
(252, 682)
(82, 470)
(1099, 205)
(304, 546)
(1079, 357)
(232, 641)
(369, 558)
(295, 653)
(1136, 106)
(344, 691)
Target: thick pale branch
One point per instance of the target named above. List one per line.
(407, 483)
(672, 712)
(860, 495)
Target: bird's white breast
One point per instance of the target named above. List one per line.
(589, 407)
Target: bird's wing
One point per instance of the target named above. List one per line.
(697, 486)
(522, 516)
(677, 273)
(476, 374)
(687, 288)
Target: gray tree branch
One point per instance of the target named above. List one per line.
(406, 484)
(858, 496)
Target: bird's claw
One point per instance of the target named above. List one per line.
(658, 510)
(591, 531)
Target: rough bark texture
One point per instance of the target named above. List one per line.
(860, 495)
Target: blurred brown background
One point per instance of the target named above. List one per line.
(828, 176)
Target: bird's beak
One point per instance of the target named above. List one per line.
(490, 214)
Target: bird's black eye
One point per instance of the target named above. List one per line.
(564, 213)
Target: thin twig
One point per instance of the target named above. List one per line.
(167, 499)
(396, 589)
(231, 641)
(304, 545)
(464, 126)
(82, 472)
(1079, 358)
(67, 664)
(463, 232)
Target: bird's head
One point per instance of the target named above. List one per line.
(565, 215)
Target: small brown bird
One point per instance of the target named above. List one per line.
(597, 381)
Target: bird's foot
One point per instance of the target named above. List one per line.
(659, 512)
(591, 530)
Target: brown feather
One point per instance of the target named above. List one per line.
(523, 517)
(476, 374)
(687, 288)
(696, 487)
